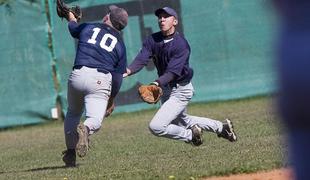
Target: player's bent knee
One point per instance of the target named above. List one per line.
(93, 124)
(156, 129)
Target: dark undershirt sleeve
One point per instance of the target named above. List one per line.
(117, 79)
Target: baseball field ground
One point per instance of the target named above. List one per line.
(125, 149)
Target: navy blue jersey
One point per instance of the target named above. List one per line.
(99, 46)
(170, 55)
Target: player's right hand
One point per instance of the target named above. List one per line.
(128, 72)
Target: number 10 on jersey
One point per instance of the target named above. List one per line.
(103, 41)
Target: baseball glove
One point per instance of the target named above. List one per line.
(110, 107)
(63, 10)
(150, 93)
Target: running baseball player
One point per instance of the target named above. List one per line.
(170, 52)
(95, 79)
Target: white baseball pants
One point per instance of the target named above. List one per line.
(172, 121)
(88, 90)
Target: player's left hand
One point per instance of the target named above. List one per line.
(63, 11)
(71, 17)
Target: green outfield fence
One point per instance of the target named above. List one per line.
(231, 43)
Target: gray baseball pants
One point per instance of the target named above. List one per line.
(172, 121)
(88, 90)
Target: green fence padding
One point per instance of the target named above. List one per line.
(27, 87)
(231, 44)
(231, 47)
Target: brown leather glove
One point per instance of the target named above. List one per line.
(150, 93)
(63, 10)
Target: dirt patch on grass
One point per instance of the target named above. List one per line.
(279, 174)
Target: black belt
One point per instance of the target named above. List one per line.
(98, 69)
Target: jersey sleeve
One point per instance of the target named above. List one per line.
(75, 29)
(142, 58)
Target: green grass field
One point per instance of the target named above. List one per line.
(125, 149)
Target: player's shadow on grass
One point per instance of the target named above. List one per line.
(38, 169)
(48, 168)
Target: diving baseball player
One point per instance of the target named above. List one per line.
(170, 52)
(95, 79)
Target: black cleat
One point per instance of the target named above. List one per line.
(228, 131)
(196, 135)
(69, 157)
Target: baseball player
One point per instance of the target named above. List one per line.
(95, 79)
(170, 52)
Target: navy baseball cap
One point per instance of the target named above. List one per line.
(167, 10)
(118, 17)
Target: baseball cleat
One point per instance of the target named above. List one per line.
(196, 135)
(82, 145)
(228, 131)
(69, 157)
